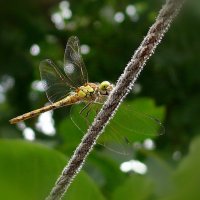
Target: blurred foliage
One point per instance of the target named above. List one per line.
(36, 169)
(167, 90)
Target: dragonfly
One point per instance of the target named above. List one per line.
(68, 85)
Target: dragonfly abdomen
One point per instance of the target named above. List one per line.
(64, 102)
(31, 114)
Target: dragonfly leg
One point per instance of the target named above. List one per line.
(89, 109)
(84, 107)
(97, 111)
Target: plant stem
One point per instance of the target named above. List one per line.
(124, 84)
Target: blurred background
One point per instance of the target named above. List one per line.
(32, 154)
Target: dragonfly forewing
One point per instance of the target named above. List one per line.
(74, 66)
(55, 82)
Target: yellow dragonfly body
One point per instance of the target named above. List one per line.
(69, 84)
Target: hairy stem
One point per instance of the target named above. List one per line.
(124, 85)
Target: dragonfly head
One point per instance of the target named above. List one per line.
(105, 87)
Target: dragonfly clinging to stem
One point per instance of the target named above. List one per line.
(69, 84)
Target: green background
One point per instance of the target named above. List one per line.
(167, 89)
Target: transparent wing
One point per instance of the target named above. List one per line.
(82, 116)
(129, 126)
(56, 84)
(125, 128)
(73, 63)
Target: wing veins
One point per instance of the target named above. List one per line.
(60, 75)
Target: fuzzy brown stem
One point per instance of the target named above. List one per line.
(123, 86)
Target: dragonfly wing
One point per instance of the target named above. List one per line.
(55, 82)
(83, 115)
(125, 128)
(129, 126)
(74, 66)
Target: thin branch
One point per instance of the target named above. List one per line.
(124, 85)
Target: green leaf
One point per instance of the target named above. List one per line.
(135, 187)
(159, 171)
(84, 187)
(29, 171)
(99, 165)
(187, 176)
(70, 135)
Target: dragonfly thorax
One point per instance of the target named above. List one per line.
(86, 90)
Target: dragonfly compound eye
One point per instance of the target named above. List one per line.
(104, 85)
